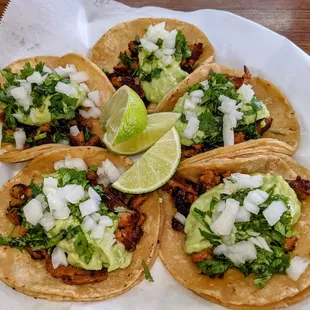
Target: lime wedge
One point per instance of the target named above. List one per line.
(154, 168)
(157, 125)
(123, 116)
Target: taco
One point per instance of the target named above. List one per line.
(50, 102)
(236, 230)
(222, 106)
(74, 237)
(151, 55)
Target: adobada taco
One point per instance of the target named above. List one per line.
(222, 106)
(151, 55)
(75, 237)
(50, 102)
(236, 231)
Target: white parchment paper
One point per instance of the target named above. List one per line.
(56, 27)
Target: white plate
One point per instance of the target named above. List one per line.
(237, 42)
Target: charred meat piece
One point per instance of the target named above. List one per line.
(128, 219)
(268, 123)
(238, 81)
(45, 128)
(176, 225)
(94, 141)
(37, 255)
(18, 190)
(129, 237)
(92, 177)
(132, 46)
(190, 151)
(290, 243)
(210, 179)
(187, 64)
(301, 187)
(198, 257)
(239, 137)
(77, 140)
(182, 184)
(136, 201)
(75, 276)
(113, 198)
(84, 122)
(2, 116)
(13, 216)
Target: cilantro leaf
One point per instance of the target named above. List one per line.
(214, 267)
(147, 272)
(83, 248)
(181, 47)
(62, 106)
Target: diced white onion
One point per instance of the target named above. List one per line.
(246, 92)
(180, 218)
(205, 84)
(74, 130)
(78, 77)
(96, 216)
(97, 232)
(195, 100)
(95, 97)
(111, 171)
(89, 206)
(63, 141)
(253, 233)
(224, 223)
(36, 78)
(191, 128)
(158, 53)
(20, 138)
(230, 187)
(91, 113)
(221, 205)
(47, 221)
(93, 194)
(105, 221)
(149, 46)
(108, 240)
(166, 60)
(168, 51)
(274, 212)
(85, 87)
(25, 102)
(50, 185)
(247, 181)
(19, 93)
(298, 266)
(197, 93)
(64, 72)
(88, 103)
(74, 193)
(189, 105)
(243, 215)
(47, 69)
(257, 196)
(76, 163)
(59, 258)
(88, 223)
(26, 85)
(67, 89)
(59, 164)
(261, 243)
(228, 131)
(33, 211)
(169, 41)
(42, 200)
(189, 115)
(228, 105)
(250, 206)
(238, 253)
(58, 205)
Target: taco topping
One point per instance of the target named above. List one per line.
(76, 222)
(222, 110)
(40, 105)
(241, 221)
(155, 63)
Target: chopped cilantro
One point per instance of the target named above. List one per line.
(83, 248)
(147, 272)
(181, 47)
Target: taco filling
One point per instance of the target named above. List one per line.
(39, 105)
(222, 110)
(79, 225)
(156, 63)
(234, 220)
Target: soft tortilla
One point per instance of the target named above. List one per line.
(285, 125)
(97, 81)
(107, 49)
(24, 274)
(235, 291)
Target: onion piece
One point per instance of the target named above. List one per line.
(243, 215)
(168, 51)
(250, 206)
(105, 221)
(58, 205)
(20, 138)
(261, 243)
(247, 181)
(180, 218)
(49, 185)
(88, 223)
(230, 187)
(59, 164)
(205, 84)
(246, 92)
(166, 60)
(47, 69)
(42, 200)
(63, 141)
(89, 206)
(274, 212)
(228, 131)
(19, 93)
(238, 253)
(298, 266)
(228, 105)
(74, 131)
(88, 103)
(25, 84)
(59, 258)
(96, 216)
(257, 196)
(197, 93)
(111, 171)
(189, 105)
(33, 211)
(76, 163)
(78, 77)
(221, 205)
(47, 221)
(95, 97)
(74, 192)
(35, 78)
(223, 225)
(67, 89)
(64, 72)
(191, 128)
(91, 113)
(97, 232)
(148, 46)
(93, 194)
(85, 87)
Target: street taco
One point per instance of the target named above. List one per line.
(222, 106)
(151, 55)
(50, 102)
(236, 231)
(74, 237)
